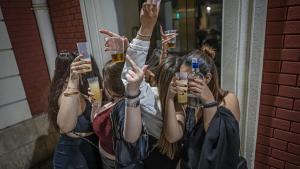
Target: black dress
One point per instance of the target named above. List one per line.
(218, 148)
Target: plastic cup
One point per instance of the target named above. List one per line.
(95, 88)
(85, 50)
(172, 42)
(183, 80)
(116, 49)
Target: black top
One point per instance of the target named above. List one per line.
(84, 124)
(218, 148)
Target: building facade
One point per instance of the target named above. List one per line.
(260, 60)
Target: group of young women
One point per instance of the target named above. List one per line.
(139, 123)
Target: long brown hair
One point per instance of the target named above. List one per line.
(61, 74)
(112, 77)
(166, 72)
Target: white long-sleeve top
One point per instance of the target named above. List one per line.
(151, 114)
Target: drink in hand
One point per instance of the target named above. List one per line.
(95, 88)
(84, 49)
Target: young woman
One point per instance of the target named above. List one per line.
(69, 111)
(118, 123)
(114, 90)
(209, 132)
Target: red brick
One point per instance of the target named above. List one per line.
(293, 13)
(288, 114)
(276, 3)
(276, 14)
(67, 28)
(298, 82)
(272, 54)
(275, 163)
(287, 136)
(260, 166)
(274, 122)
(274, 28)
(292, 41)
(290, 54)
(286, 79)
(267, 110)
(269, 89)
(291, 27)
(294, 148)
(282, 54)
(264, 130)
(290, 67)
(279, 144)
(295, 127)
(261, 158)
(263, 149)
(269, 160)
(264, 140)
(277, 101)
(286, 156)
(29, 56)
(297, 105)
(271, 66)
(291, 166)
(293, 2)
(274, 41)
(289, 91)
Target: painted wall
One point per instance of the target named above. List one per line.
(13, 103)
(26, 45)
(278, 142)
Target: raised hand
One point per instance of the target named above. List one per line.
(79, 67)
(165, 39)
(200, 89)
(134, 77)
(148, 16)
(112, 39)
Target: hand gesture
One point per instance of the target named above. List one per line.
(148, 16)
(79, 67)
(199, 88)
(134, 77)
(109, 44)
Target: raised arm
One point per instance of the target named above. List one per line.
(174, 116)
(133, 119)
(70, 101)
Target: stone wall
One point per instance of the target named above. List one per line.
(29, 144)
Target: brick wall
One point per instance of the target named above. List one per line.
(26, 43)
(67, 23)
(278, 141)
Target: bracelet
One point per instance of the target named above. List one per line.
(211, 104)
(68, 94)
(146, 36)
(132, 104)
(133, 97)
(143, 37)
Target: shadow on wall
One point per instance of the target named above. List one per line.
(44, 149)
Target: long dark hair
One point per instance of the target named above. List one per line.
(206, 56)
(166, 72)
(61, 74)
(112, 77)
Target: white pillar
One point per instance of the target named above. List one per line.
(41, 11)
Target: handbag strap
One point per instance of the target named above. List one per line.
(86, 140)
